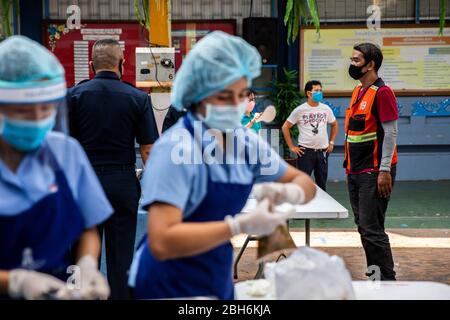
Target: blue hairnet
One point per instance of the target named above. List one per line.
(215, 62)
(29, 72)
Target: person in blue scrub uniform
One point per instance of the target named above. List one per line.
(51, 200)
(194, 201)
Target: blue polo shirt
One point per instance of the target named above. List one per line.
(35, 177)
(177, 170)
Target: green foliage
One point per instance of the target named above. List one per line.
(145, 22)
(5, 23)
(299, 12)
(286, 97)
(6, 8)
(441, 16)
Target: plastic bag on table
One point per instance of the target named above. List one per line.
(310, 274)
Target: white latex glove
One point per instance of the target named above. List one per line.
(260, 221)
(32, 285)
(94, 286)
(279, 193)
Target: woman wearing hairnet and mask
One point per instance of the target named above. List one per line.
(50, 198)
(194, 208)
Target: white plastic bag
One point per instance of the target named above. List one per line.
(310, 274)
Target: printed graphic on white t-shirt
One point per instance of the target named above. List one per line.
(312, 124)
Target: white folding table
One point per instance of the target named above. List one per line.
(323, 206)
(368, 290)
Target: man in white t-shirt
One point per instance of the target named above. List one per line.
(312, 118)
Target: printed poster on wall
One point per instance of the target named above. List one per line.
(415, 59)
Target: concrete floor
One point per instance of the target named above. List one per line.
(419, 255)
(418, 223)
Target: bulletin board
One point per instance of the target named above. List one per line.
(73, 47)
(416, 60)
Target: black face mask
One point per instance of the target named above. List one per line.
(356, 72)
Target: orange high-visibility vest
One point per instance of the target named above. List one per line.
(362, 146)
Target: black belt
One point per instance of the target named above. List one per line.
(315, 150)
(114, 168)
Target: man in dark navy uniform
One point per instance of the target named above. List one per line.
(172, 117)
(107, 116)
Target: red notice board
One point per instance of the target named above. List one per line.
(73, 48)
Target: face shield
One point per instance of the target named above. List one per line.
(25, 127)
(32, 96)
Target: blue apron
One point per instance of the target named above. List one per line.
(41, 237)
(206, 274)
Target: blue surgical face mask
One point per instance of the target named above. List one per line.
(317, 96)
(224, 117)
(25, 135)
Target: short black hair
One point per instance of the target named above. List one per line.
(310, 84)
(371, 52)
